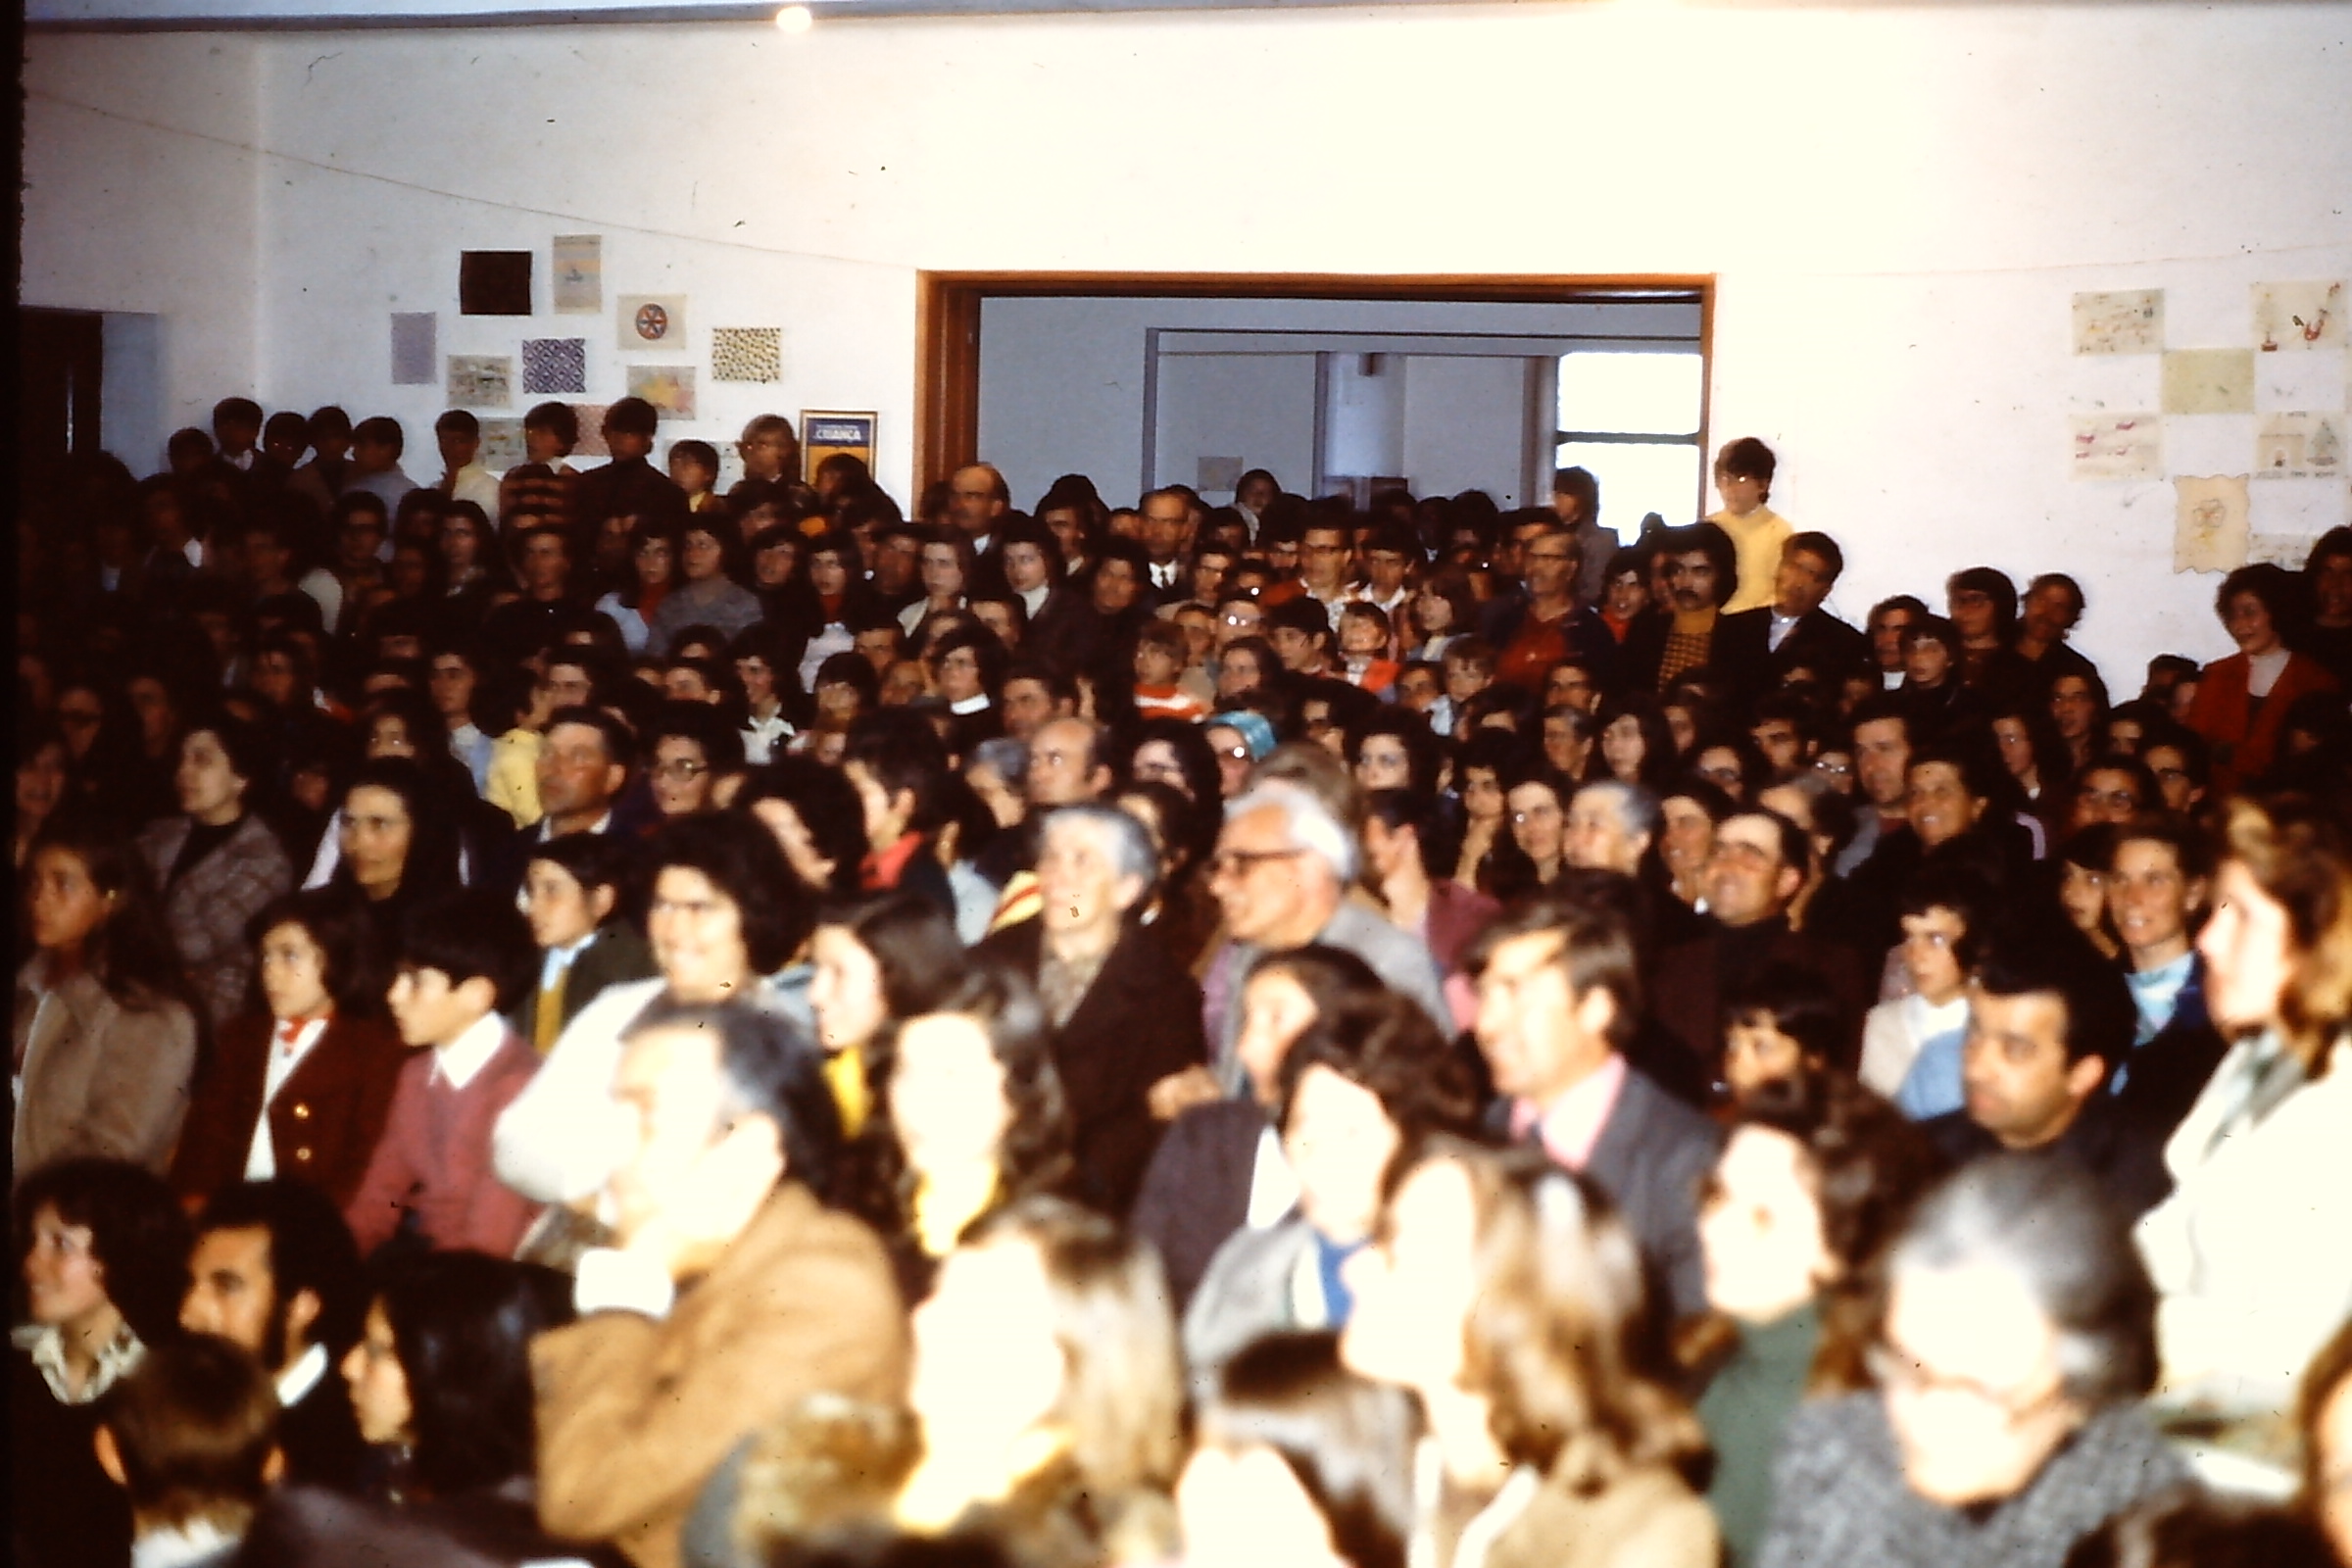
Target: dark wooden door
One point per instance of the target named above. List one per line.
(60, 362)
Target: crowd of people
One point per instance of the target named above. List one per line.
(566, 1015)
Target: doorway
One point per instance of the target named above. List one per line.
(1447, 382)
(61, 367)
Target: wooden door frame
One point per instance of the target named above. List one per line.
(947, 327)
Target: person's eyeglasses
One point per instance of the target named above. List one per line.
(679, 769)
(1241, 862)
(1835, 770)
(1234, 754)
(1898, 1371)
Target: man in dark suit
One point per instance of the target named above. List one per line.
(1757, 648)
(1125, 1014)
(277, 1272)
(1702, 570)
(1757, 868)
(1559, 994)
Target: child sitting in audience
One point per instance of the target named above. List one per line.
(463, 959)
(1161, 651)
(1911, 1047)
(571, 894)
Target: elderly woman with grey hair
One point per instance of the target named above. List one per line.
(2019, 1337)
(1124, 1015)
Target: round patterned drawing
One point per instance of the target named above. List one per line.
(652, 323)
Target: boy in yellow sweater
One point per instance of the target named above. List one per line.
(1744, 478)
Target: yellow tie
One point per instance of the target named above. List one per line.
(550, 1022)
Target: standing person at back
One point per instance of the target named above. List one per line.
(1743, 472)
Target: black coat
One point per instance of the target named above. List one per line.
(1819, 641)
(1138, 1022)
(1197, 1192)
(319, 1435)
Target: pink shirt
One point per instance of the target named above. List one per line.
(1571, 1124)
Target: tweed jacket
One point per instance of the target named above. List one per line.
(323, 1123)
(99, 1078)
(635, 1414)
(206, 911)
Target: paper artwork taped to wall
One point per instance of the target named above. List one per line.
(670, 388)
(746, 354)
(494, 282)
(501, 445)
(2126, 323)
(579, 274)
(480, 381)
(2298, 316)
(652, 322)
(2210, 525)
(592, 431)
(2209, 381)
(2117, 446)
(2300, 446)
(824, 433)
(415, 349)
(554, 364)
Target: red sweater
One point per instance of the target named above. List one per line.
(435, 1158)
(2244, 742)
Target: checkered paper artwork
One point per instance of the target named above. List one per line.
(554, 364)
(746, 354)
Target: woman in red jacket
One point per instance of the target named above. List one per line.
(2244, 698)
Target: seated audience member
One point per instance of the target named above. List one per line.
(572, 894)
(689, 746)
(1701, 571)
(303, 1087)
(2159, 881)
(217, 863)
(2080, 864)
(2243, 701)
(2018, 1336)
(1222, 1168)
(1508, 1296)
(1816, 1178)
(463, 961)
(731, 1293)
(275, 1273)
(974, 1118)
(898, 766)
(2047, 1017)
(441, 1379)
(102, 1250)
(1403, 854)
(1282, 871)
(105, 1030)
(872, 966)
(724, 913)
(1781, 1024)
(191, 1436)
(1911, 1047)
(1297, 1459)
(1559, 999)
(1047, 1391)
(2252, 1286)
(1787, 628)
(1361, 1091)
(2323, 1421)
(1757, 867)
(1123, 1015)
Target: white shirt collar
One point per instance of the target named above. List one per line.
(463, 1060)
(559, 960)
(970, 704)
(1273, 1185)
(546, 826)
(296, 1381)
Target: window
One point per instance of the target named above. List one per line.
(1633, 421)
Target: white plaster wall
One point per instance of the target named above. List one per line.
(1260, 408)
(1465, 426)
(1897, 200)
(1363, 416)
(141, 197)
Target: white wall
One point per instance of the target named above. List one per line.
(1927, 185)
(1363, 416)
(1259, 408)
(1465, 426)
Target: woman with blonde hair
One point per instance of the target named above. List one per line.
(1507, 1295)
(2249, 1251)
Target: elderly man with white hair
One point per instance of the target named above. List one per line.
(1281, 874)
(1125, 1014)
